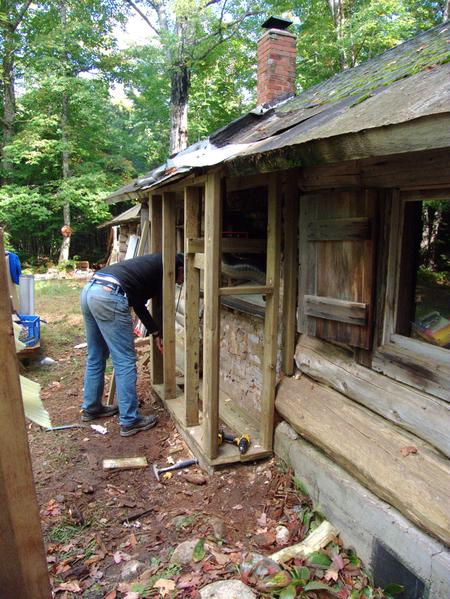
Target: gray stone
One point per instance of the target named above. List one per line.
(362, 517)
(183, 554)
(131, 569)
(227, 589)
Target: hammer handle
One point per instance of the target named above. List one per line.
(178, 466)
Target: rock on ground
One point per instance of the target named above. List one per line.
(227, 589)
(183, 554)
(131, 569)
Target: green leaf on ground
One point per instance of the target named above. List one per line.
(199, 551)
(319, 559)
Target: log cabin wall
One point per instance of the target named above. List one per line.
(369, 417)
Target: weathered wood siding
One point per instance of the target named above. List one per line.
(337, 254)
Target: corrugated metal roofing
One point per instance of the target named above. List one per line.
(402, 84)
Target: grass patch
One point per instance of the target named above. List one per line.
(63, 532)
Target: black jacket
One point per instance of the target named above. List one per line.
(141, 279)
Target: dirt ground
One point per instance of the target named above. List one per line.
(90, 516)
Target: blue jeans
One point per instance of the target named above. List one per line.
(109, 330)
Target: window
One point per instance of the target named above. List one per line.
(424, 277)
(415, 334)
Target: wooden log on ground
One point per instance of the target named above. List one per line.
(423, 415)
(373, 451)
(318, 539)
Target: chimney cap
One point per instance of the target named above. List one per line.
(276, 23)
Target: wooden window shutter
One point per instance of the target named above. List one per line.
(337, 265)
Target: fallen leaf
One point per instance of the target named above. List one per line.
(406, 451)
(120, 556)
(262, 520)
(164, 586)
(111, 595)
(72, 586)
(237, 507)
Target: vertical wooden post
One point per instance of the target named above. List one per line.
(155, 216)
(290, 270)
(23, 567)
(169, 252)
(271, 319)
(211, 327)
(192, 205)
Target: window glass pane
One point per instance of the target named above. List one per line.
(424, 300)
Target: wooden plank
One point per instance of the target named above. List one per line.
(388, 171)
(269, 364)
(211, 317)
(243, 246)
(199, 261)
(307, 284)
(23, 568)
(345, 269)
(247, 182)
(124, 463)
(414, 370)
(111, 390)
(192, 208)
(290, 272)
(339, 229)
(155, 216)
(425, 194)
(169, 252)
(402, 405)
(335, 309)
(246, 290)
(370, 449)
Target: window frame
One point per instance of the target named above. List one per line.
(389, 340)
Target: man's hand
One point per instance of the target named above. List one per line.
(159, 343)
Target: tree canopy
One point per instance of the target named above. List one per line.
(68, 140)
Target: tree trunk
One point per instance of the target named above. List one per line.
(338, 15)
(447, 11)
(9, 103)
(179, 98)
(65, 244)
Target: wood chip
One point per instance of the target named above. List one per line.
(125, 463)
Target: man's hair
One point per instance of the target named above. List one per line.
(179, 261)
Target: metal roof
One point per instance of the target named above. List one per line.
(130, 215)
(405, 83)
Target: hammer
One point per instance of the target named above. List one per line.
(177, 466)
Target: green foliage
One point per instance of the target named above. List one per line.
(65, 63)
(199, 551)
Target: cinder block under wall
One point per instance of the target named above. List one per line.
(364, 520)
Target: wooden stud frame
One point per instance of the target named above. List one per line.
(23, 568)
(192, 207)
(272, 308)
(155, 217)
(169, 252)
(211, 326)
(290, 269)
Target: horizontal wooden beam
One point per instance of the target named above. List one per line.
(371, 449)
(336, 309)
(199, 261)
(244, 246)
(426, 194)
(403, 405)
(248, 290)
(241, 183)
(339, 229)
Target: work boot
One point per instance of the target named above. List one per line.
(143, 423)
(103, 412)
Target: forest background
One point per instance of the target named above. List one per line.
(82, 112)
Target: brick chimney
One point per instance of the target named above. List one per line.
(276, 61)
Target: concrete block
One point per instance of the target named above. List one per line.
(362, 517)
